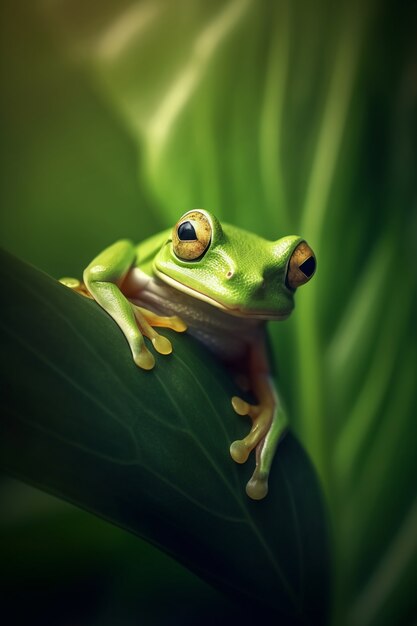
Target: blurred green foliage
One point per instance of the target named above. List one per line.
(280, 117)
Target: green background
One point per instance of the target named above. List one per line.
(281, 117)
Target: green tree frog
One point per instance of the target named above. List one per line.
(223, 284)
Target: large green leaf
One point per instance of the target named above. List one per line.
(149, 451)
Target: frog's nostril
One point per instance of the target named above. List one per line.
(301, 266)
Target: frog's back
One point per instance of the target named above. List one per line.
(147, 250)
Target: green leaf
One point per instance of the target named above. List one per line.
(148, 451)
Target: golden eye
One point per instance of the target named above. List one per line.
(301, 267)
(191, 236)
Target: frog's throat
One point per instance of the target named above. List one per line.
(254, 314)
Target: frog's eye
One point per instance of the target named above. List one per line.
(191, 236)
(301, 267)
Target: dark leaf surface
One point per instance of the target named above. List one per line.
(148, 451)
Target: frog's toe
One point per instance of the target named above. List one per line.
(177, 324)
(144, 359)
(152, 319)
(161, 344)
(239, 451)
(257, 487)
(240, 406)
(75, 285)
(72, 283)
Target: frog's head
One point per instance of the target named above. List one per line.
(232, 269)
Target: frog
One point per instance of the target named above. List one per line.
(221, 284)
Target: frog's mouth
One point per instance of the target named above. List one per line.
(237, 311)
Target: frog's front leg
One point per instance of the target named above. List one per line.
(103, 279)
(269, 423)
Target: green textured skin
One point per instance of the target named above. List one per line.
(258, 266)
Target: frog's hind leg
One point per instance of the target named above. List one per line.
(260, 415)
(269, 425)
(257, 487)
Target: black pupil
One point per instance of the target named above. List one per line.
(186, 232)
(308, 267)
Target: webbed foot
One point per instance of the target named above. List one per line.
(135, 322)
(268, 425)
(147, 320)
